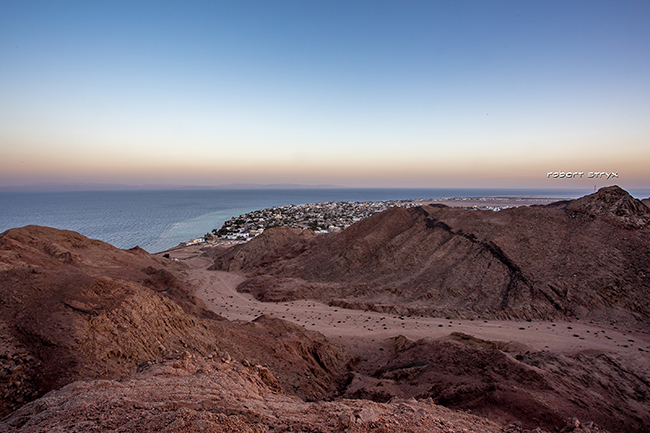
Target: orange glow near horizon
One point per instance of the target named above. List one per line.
(431, 94)
(430, 169)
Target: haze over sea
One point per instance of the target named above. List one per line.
(158, 220)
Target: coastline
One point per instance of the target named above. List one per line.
(157, 220)
(334, 216)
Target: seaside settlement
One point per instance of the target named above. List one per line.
(326, 217)
(320, 217)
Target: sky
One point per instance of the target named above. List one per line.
(350, 93)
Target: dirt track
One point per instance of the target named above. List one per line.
(359, 329)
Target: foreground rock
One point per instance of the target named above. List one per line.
(78, 318)
(504, 381)
(586, 258)
(73, 308)
(219, 395)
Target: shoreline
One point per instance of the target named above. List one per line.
(303, 216)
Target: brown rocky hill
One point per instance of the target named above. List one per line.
(503, 381)
(96, 338)
(587, 258)
(191, 394)
(74, 308)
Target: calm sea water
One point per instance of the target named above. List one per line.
(158, 220)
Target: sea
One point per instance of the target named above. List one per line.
(159, 220)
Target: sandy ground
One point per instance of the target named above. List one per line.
(359, 330)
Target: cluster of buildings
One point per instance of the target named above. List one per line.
(319, 217)
(328, 217)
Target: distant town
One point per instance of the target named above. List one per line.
(320, 217)
(326, 217)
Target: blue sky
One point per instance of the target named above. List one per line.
(424, 94)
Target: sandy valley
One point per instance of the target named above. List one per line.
(356, 328)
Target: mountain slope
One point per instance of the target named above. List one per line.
(587, 258)
(505, 380)
(74, 308)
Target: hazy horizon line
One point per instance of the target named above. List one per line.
(98, 186)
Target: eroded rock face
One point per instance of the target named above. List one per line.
(72, 308)
(504, 381)
(75, 308)
(307, 364)
(219, 394)
(587, 258)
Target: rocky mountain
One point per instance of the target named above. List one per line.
(73, 308)
(94, 338)
(587, 258)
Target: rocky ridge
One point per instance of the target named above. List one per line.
(72, 308)
(505, 380)
(586, 258)
(218, 394)
(100, 337)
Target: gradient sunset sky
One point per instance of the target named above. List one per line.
(351, 93)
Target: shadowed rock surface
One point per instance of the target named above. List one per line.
(586, 258)
(214, 395)
(506, 380)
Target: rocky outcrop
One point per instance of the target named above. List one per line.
(506, 380)
(587, 258)
(614, 205)
(276, 244)
(73, 308)
(220, 394)
(306, 363)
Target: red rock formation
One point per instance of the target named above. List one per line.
(505, 381)
(190, 394)
(74, 308)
